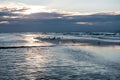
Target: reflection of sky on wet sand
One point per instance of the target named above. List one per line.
(111, 53)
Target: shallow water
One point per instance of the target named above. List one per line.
(58, 62)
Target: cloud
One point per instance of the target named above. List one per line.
(18, 17)
(84, 23)
(45, 15)
(13, 7)
(108, 13)
(4, 22)
(23, 8)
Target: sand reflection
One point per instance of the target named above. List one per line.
(111, 53)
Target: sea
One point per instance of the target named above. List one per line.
(60, 56)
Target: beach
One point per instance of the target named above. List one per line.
(59, 56)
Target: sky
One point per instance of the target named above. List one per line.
(59, 15)
(75, 5)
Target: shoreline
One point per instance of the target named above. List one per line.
(84, 41)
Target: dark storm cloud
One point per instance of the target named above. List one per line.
(45, 15)
(57, 22)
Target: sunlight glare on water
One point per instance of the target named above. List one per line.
(31, 41)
